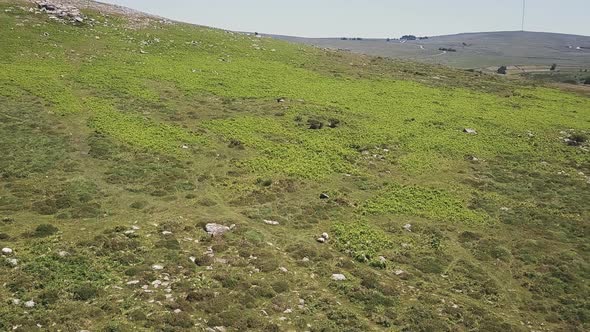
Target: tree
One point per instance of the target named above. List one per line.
(553, 66)
(502, 70)
(587, 81)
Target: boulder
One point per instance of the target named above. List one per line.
(7, 251)
(470, 131)
(338, 277)
(216, 229)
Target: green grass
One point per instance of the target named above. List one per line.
(96, 187)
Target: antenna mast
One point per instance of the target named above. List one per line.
(523, 13)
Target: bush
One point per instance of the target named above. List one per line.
(45, 230)
(280, 286)
(587, 80)
(502, 70)
(577, 139)
(315, 124)
(84, 292)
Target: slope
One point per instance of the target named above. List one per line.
(124, 136)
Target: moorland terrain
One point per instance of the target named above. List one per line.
(451, 200)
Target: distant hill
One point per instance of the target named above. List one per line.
(473, 50)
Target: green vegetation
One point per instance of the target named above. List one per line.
(121, 141)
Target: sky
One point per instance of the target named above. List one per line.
(373, 18)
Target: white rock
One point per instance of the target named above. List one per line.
(325, 236)
(30, 304)
(15, 301)
(158, 267)
(271, 222)
(305, 260)
(7, 251)
(12, 261)
(133, 282)
(338, 277)
(63, 253)
(166, 233)
(177, 311)
(408, 227)
(288, 311)
(470, 131)
(399, 272)
(216, 229)
(135, 227)
(321, 240)
(283, 269)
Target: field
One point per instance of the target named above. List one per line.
(121, 141)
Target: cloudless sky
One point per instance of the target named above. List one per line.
(373, 18)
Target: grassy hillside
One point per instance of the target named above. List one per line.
(476, 50)
(121, 141)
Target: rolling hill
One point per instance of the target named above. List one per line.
(474, 50)
(161, 176)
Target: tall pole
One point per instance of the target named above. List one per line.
(523, 12)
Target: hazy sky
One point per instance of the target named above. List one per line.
(373, 18)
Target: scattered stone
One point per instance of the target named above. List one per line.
(16, 301)
(143, 52)
(399, 272)
(216, 229)
(135, 227)
(177, 311)
(382, 260)
(12, 261)
(271, 222)
(30, 304)
(283, 269)
(166, 233)
(305, 260)
(281, 100)
(325, 236)
(338, 277)
(7, 251)
(288, 311)
(408, 227)
(133, 282)
(324, 196)
(158, 267)
(321, 240)
(504, 209)
(184, 146)
(470, 131)
(63, 253)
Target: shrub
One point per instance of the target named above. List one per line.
(84, 292)
(280, 286)
(45, 230)
(577, 139)
(315, 124)
(502, 70)
(553, 67)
